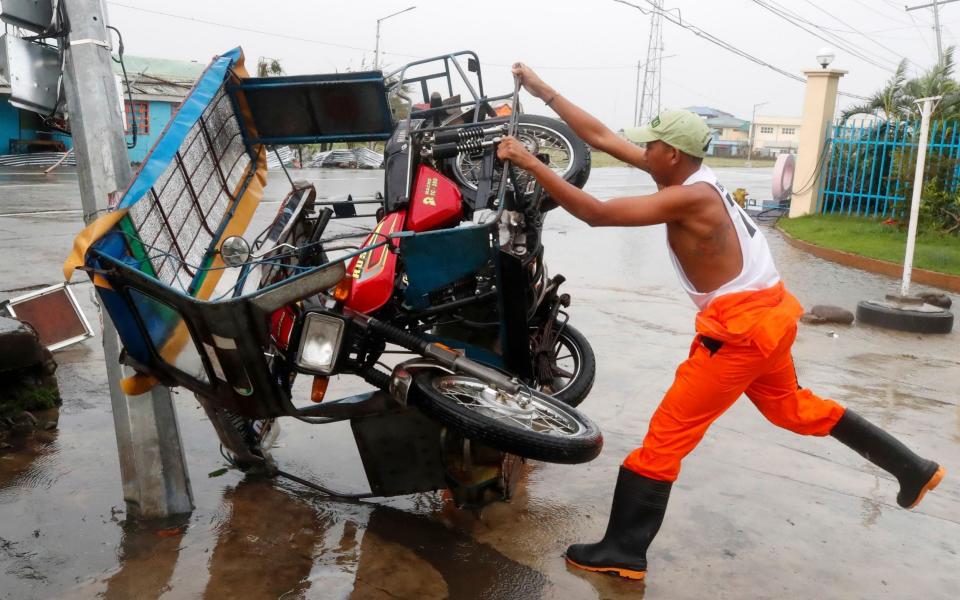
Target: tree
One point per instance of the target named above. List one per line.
(269, 67)
(896, 100)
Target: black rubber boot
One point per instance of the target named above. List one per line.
(916, 475)
(638, 507)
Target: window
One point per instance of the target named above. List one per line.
(141, 110)
(766, 130)
(788, 130)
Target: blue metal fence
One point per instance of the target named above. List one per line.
(869, 165)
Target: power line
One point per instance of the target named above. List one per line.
(882, 14)
(343, 46)
(922, 36)
(245, 29)
(677, 20)
(853, 29)
(797, 21)
(712, 38)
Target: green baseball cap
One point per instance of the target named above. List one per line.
(681, 129)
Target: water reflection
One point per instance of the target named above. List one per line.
(147, 556)
(414, 556)
(265, 545)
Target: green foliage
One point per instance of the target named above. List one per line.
(869, 237)
(20, 398)
(269, 67)
(939, 208)
(896, 100)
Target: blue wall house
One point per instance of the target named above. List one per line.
(157, 86)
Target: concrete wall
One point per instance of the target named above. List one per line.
(11, 129)
(9, 124)
(776, 132)
(160, 113)
(734, 135)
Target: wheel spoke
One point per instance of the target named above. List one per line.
(522, 411)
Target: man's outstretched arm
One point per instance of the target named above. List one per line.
(669, 204)
(585, 125)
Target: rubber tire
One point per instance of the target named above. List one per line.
(904, 320)
(489, 431)
(581, 159)
(583, 383)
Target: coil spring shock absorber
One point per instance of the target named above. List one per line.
(459, 135)
(451, 149)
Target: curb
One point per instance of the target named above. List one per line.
(950, 283)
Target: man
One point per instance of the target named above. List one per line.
(745, 328)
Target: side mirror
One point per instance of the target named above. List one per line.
(235, 251)
(472, 65)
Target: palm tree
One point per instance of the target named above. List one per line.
(888, 101)
(897, 99)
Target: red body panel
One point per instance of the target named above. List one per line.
(436, 202)
(373, 271)
(281, 326)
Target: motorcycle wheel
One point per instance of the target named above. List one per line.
(568, 374)
(569, 155)
(528, 423)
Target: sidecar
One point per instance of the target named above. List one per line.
(157, 264)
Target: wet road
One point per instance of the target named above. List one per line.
(758, 512)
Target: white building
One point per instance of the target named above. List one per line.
(776, 135)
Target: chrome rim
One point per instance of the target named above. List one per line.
(537, 139)
(522, 410)
(566, 364)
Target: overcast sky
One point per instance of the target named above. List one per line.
(587, 49)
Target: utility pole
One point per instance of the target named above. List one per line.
(152, 465)
(753, 118)
(650, 96)
(636, 98)
(376, 48)
(935, 5)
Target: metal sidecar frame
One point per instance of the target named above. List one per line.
(156, 269)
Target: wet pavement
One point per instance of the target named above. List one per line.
(758, 511)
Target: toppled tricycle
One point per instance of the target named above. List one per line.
(451, 275)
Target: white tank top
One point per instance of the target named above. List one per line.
(758, 273)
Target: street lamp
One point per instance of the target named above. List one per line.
(753, 118)
(376, 51)
(825, 56)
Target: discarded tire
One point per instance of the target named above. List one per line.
(915, 321)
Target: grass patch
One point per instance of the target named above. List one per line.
(602, 159)
(19, 399)
(869, 237)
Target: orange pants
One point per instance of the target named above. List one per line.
(706, 386)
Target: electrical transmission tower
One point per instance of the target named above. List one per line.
(648, 105)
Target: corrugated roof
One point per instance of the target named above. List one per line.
(155, 76)
(159, 76)
(725, 122)
(707, 111)
(164, 68)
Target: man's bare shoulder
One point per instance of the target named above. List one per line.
(694, 194)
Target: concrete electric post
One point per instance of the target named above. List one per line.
(152, 465)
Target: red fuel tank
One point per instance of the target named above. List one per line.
(436, 202)
(373, 271)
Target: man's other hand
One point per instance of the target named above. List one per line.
(530, 80)
(513, 150)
